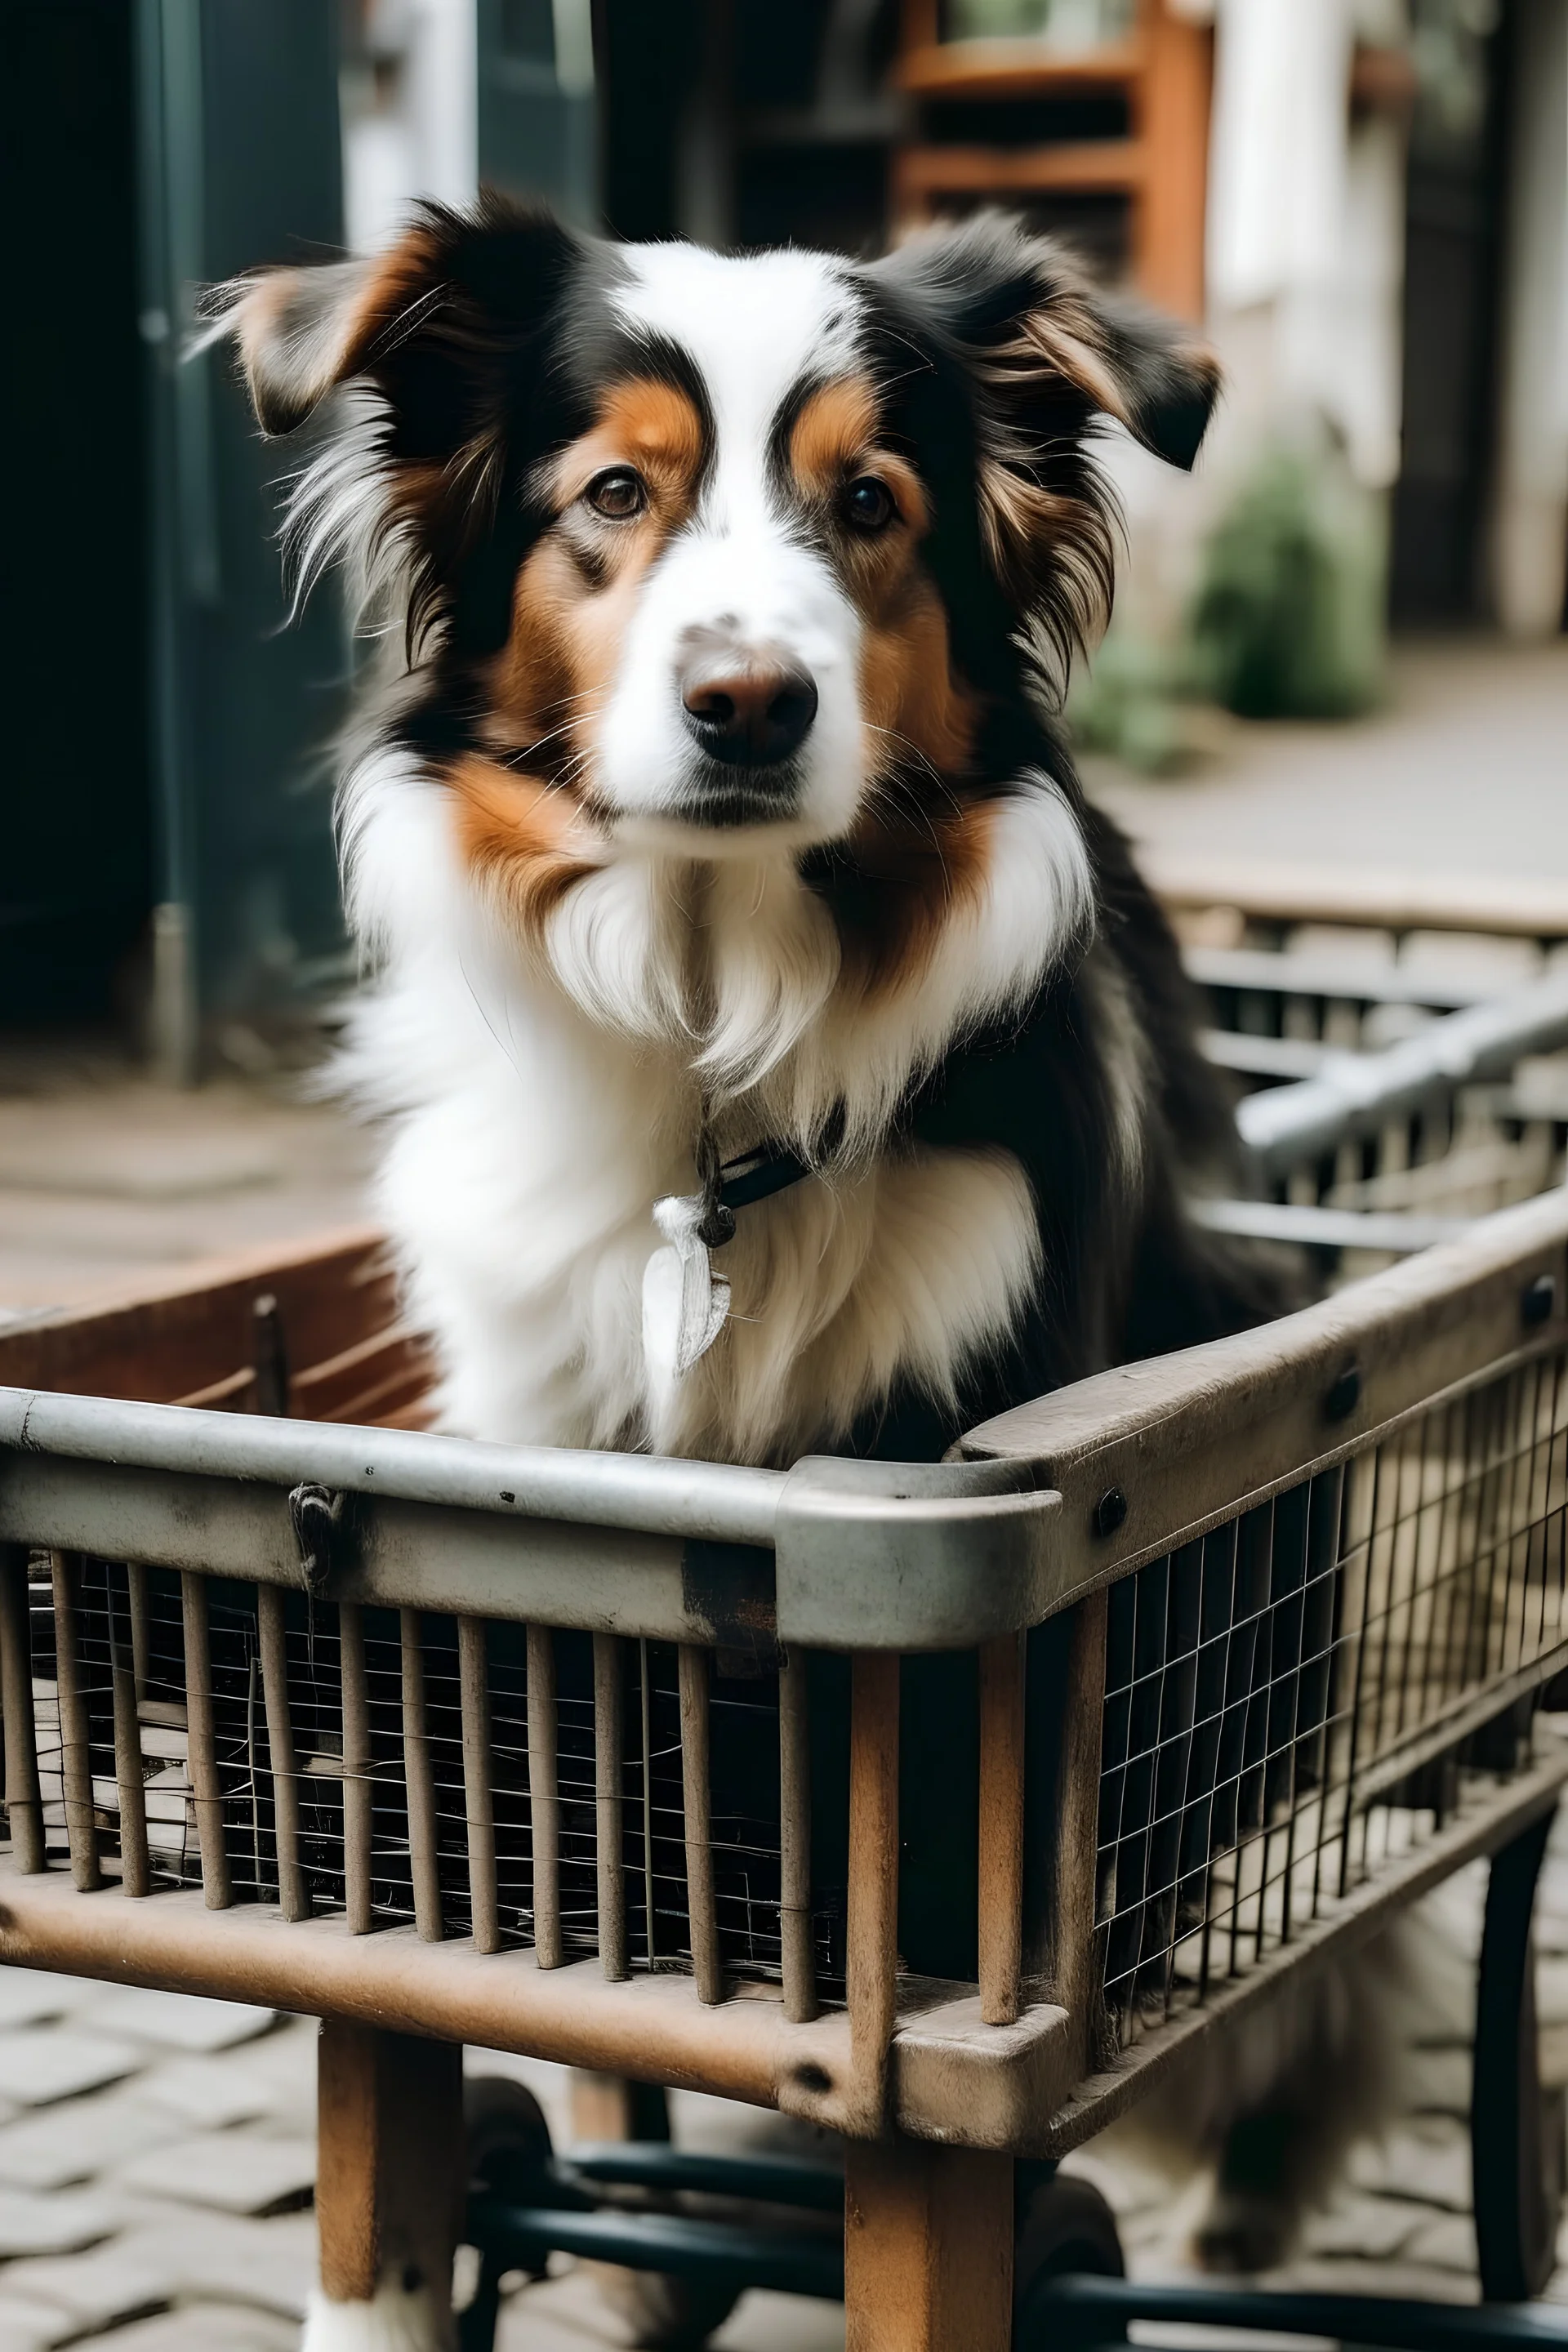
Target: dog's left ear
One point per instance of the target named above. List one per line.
(1049, 346)
(1045, 357)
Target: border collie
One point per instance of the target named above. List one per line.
(776, 1052)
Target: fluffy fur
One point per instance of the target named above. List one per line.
(908, 952)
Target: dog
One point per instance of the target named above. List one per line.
(777, 1053)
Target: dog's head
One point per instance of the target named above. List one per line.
(726, 549)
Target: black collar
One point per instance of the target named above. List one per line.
(754, 1175)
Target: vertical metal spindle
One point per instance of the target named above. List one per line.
(607, 1742)
(1000, 1873)
(141, 1626)
(478, 1792)
(75, 1760)
(795, 1842)
(694, 1747)
(293, 1895)
(135, 1862)
(201, 1738)
(22, 1804)
(356, 1782)
(545, 1796)
(420, 1784)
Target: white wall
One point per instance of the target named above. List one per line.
(415, 133)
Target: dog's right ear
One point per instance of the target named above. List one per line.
(431, 323)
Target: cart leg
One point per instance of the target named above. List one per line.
(389, 2187)
(927, 2248)
(1516, 2129)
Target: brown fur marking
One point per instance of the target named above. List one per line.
(518, 834)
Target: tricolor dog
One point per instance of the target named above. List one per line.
(775, 1053)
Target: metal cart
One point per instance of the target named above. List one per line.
(945, 1807)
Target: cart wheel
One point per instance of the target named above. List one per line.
(1516, 2127)
(509, 2148)
(1064, 2226)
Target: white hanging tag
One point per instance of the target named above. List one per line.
(684, 1302)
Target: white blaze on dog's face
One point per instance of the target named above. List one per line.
(735, 702)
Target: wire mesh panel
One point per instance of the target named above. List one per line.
(358, 1776)
(1297, 1697)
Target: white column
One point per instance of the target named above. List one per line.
(1529, 537)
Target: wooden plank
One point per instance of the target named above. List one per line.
(201, 1734)
(1001, 1828)
(799, 1969)
(420, 1783)
(135, 1862)
(390, 2179)
(872, 1926)
(927, 2248)
(22, 1804)
(1071, 1970)
(331, 1389)
(608, 1731)
(1110, 165)
(175, 1335)
(478, 1794)
(694, 1771)
(544, 1796)
(76, 1758)
(293, 1895)
(357, 1783)
(1002, 67)
(1173, 112)
(1183, 1442)
(1512, 907)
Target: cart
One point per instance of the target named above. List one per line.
(946, 1807)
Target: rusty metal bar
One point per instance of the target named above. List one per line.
(607, 1743)
(872, 1928)
(201, 1743)
(76, 1758)
(419, 1781)
(357, 1785)
(544, 1796)
(1001, 1875)
(22, 1804)
(135, 1862)
(479, 1794)
(694, 1766)
(293, 1895)
(795, 1842)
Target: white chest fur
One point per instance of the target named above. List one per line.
(538, 1105)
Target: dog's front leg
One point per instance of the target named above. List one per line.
(390, 2185)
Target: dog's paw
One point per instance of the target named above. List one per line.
(401, 2319)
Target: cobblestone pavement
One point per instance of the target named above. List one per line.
(157, 2153)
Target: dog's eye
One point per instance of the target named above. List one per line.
(618, 494)
(869, 504)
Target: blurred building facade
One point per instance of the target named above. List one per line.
(1364, 202)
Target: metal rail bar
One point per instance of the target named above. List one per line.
(207, 1789)
(1356, 1094)
(788, 2262)
(654, 2164)
(1396, 1230)
(357, 1786)
(76, 1758)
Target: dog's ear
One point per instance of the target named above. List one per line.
(1035, 327)
(434, 323)
(1047, 356)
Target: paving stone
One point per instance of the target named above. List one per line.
(27, 2326)
(215, 2258)
(28, 1995)
(1448, 2240)
(178, 2020)
(199, 2327)
(1373, 2228)
(38, 2068)
(58, 2224)
(1433, 2168)
(120, 2281)
(211, 2097)
(237, 2172)
(80, 2138)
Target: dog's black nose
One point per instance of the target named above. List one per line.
(749, 715)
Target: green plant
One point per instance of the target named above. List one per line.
(1288, 620)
